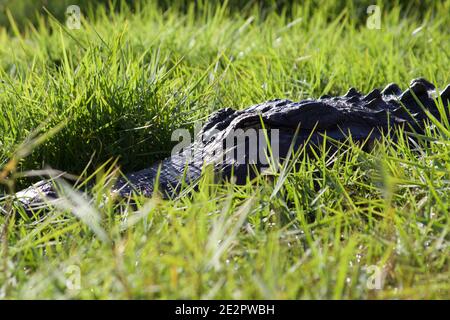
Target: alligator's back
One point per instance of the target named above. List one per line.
(360, 116)
(234, 143)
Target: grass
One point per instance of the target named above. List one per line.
(113, 92)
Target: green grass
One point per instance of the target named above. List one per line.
(117, 88)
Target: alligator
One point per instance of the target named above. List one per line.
(286, 127)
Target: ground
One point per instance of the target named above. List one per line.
(352, 225)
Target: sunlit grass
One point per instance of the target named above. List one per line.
(119, 87)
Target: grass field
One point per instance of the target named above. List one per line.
(113, 91)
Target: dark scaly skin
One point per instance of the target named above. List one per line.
(364, 117)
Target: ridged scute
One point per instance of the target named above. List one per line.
(391, 89)
(445, 95)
